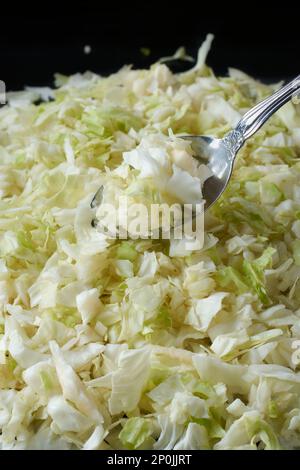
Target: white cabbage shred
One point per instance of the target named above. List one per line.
(140, 344)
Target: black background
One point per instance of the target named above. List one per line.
(262, 38)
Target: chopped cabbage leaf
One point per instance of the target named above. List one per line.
(142, 343)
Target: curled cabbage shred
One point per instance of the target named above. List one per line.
(147, 344)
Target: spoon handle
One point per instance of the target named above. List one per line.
(252, 121)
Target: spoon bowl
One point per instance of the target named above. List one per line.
(218, 158)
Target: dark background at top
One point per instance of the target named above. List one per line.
(36, 43)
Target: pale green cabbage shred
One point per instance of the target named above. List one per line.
(141, 344)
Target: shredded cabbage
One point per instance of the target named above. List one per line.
(147, 344)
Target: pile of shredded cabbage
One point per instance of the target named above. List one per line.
(140, 344)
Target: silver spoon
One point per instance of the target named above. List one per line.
(219, 154)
